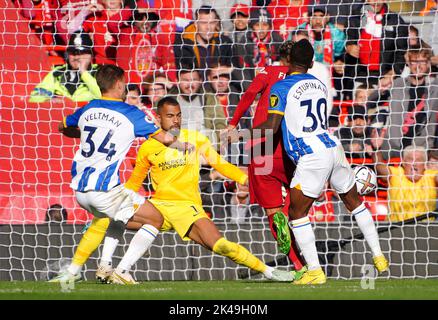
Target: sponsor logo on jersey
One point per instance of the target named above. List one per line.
(274, 100)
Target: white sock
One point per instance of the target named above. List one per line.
(109, 246)
(74, 269)
(367, 227)
(141, 241)
(268, 272)
(305, 237)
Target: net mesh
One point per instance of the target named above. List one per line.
(164, 53)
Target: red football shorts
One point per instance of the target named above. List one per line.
(265, 180)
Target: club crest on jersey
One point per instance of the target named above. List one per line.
(148, 119)
(274, 100)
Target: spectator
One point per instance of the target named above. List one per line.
(191, 97)
(414, 37)
(220, 95)
(361, 94)
(287, 15)
(42, 16)
(202, 42)
(75, 79)
(145, 48)
(353, 137)
(56, 213)
(239, 204)
(339, 11)
(258, 48)
(432, 162)
(327, 40)
(106, 23)
(413, 105)
(66, 17)
(412, 189)
(226, 199)
(430, 8)
(155, 88)
(239, 15)
(416, 41)
(133, 95)
(214, 197)
(176, 13)
(377, 40)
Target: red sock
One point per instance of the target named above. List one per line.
(294, 254)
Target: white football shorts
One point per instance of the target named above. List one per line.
(119, 204)
(315, 169)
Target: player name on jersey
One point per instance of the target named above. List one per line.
(312, 84)
(103, 116)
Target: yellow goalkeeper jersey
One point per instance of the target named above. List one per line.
(174, 174)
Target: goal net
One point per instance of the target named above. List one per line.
(379, 63)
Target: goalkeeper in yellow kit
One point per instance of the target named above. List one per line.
(175, 178)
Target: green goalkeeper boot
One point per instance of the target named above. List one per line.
(283, 233)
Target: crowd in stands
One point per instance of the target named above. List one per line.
(367, 55)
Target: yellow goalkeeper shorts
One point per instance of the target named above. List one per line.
(179, 216)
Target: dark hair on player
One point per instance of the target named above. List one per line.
(166, 100)
(133, 87)
(107, 76)
(301, 54)
(285, 48)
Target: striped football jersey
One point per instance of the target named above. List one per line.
(108, 128)
(302, 100)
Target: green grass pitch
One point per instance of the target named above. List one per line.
(224, 290)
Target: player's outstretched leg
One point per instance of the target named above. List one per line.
(278, 224)
(114, 234)
(305, 237)
(88, 244)
(280, 221)
(205, 232)
(151, 221)
(367, 227)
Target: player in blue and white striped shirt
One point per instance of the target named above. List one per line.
(299, 105)
(107, 127)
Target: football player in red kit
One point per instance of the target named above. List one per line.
(270, 170)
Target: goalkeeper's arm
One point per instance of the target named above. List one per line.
(224, 167)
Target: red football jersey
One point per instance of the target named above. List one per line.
(261, 84)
